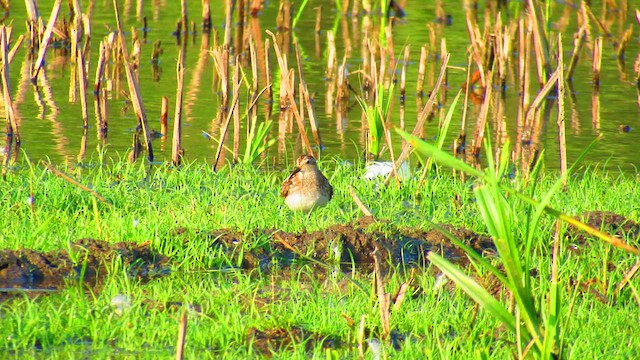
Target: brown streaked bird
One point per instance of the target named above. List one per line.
(306, 188)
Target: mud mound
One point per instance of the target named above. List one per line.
(273, 340)
(608, 222)
(353, 244)
(25, 269)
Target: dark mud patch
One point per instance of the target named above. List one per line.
(351, 244)
(34, 272)
(609, 222)
(273, 340)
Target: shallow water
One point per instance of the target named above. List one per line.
(52, 128)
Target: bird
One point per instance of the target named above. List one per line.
(306, 188)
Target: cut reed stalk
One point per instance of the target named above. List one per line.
(318, 19)
(597, 61)
(426, 110)
(422, 66)
(82, 83)
(562, 141)
(10, 114)
(331, 56)
(578, 42)
(46, 38)
(182, 336)
(540, 41)
(134, 89)
(225, 127)
(403, 75)
(102, 61)
(206, 16)
(236, 114)
(176, 144)
(74, 182)
(164, 110)
(306, 100)
(288, 84)
(481, 121)
(524, 41)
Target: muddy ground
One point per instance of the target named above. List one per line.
(28, 271)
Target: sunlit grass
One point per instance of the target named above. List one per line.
(222, 304)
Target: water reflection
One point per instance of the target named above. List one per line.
(331, 57)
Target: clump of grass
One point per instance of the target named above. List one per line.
(377, 114)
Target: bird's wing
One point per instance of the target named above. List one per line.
(287, 183)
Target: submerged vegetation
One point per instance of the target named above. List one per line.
(153, 258)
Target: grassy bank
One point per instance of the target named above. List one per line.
(175, 210)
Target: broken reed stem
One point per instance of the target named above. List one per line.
(182, 336)
(537, 101)
(236, 114)
(384, 299)
(306, 100)
(403, 74)
(623, 44)
(134, 89)
(82, 82)
(331, 57)
(206, 16)
(578, 42)
(597, 61)
(73, 181)
(10, 114)
(562, 141)
(102, 60)
(540, 42)
(426, 110)
(481, 122)
(524, 41)
(318, 19)
(46, 38)
(14, 49)
(176, 144)
(422, 66)
(289, 85)
(225, 126)
(164, 110)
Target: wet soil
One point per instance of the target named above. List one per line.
(33, 272)
(351, 244)
(609, 222)
(277, 339)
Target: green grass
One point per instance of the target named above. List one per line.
(150, 206)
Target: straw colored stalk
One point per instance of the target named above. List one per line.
(46, 38)
(236, 114)
(524, 43)
(283, 69)
(597, 61)
(228, 23)
(476, 45)
(595, 108)
(134, 89)
(562, 142)
(221, 61)
(176, 146)
(306, 100)
(422, 66)
(540, 42)
(331, 57)
(12, 122)
(424, 113)
(82, 83)
(206, 16)
(578, 42)
(225, 126)
(481, 122)
(403, 74)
